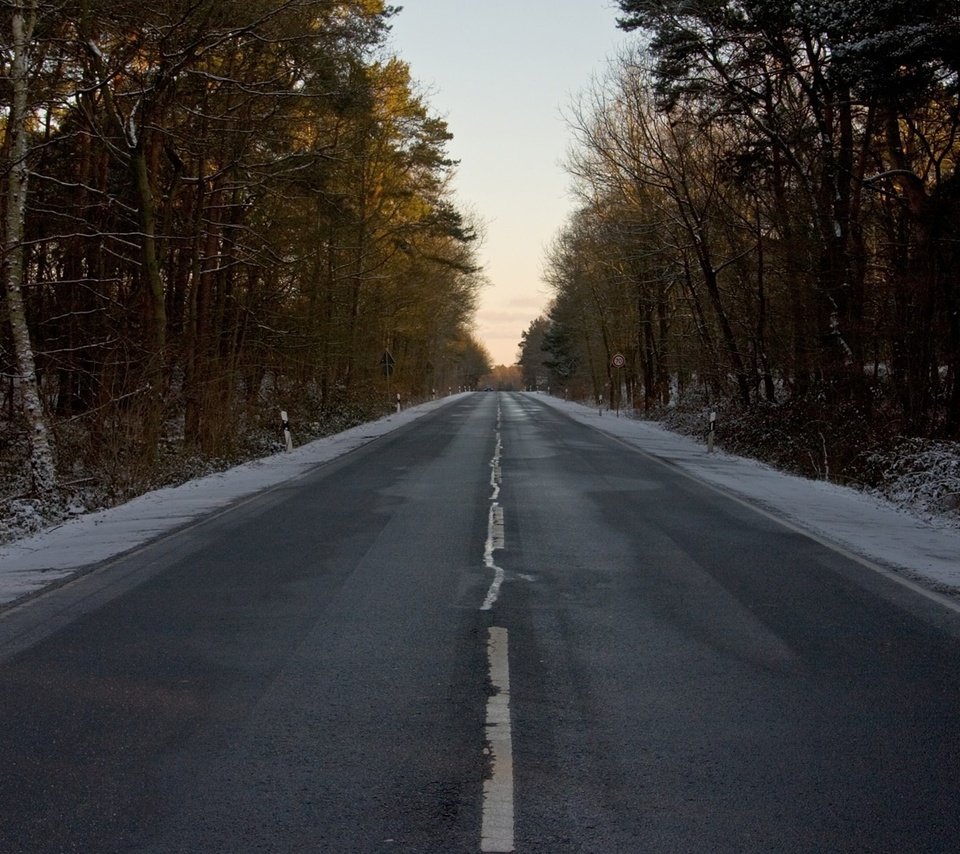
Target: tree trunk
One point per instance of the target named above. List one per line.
(711, 279)
(769, 390)
(155, 309)
(41, 460)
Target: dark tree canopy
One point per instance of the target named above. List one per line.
(770, 211)
(234, 206)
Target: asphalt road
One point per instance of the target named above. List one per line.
(494, 629)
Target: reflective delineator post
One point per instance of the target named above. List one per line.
(286, 430)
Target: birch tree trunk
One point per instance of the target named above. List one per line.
(41, 458)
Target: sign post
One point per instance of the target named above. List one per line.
(617, 363)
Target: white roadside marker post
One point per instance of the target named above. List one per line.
(288, 439)
(711, 431)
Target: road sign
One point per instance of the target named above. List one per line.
(618, 361)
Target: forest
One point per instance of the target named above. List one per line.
(213, 211)
(767, 225)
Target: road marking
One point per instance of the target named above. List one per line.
(494, 541)
(495, 534)
(496, 472)
(496, 834)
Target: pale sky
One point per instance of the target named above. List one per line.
(502, 73)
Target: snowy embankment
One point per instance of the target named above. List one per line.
(46, 558)
(872, 529)
(869, 527)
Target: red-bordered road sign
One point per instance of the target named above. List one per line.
(618, 361)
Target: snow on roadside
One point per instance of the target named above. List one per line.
(30, 564)
(923, 476)
(864, 524)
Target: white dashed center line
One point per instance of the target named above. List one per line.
(494, 524)
(496, 833)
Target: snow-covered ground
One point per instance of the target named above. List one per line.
(871, 530)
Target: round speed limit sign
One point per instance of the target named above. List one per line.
(618, 361)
